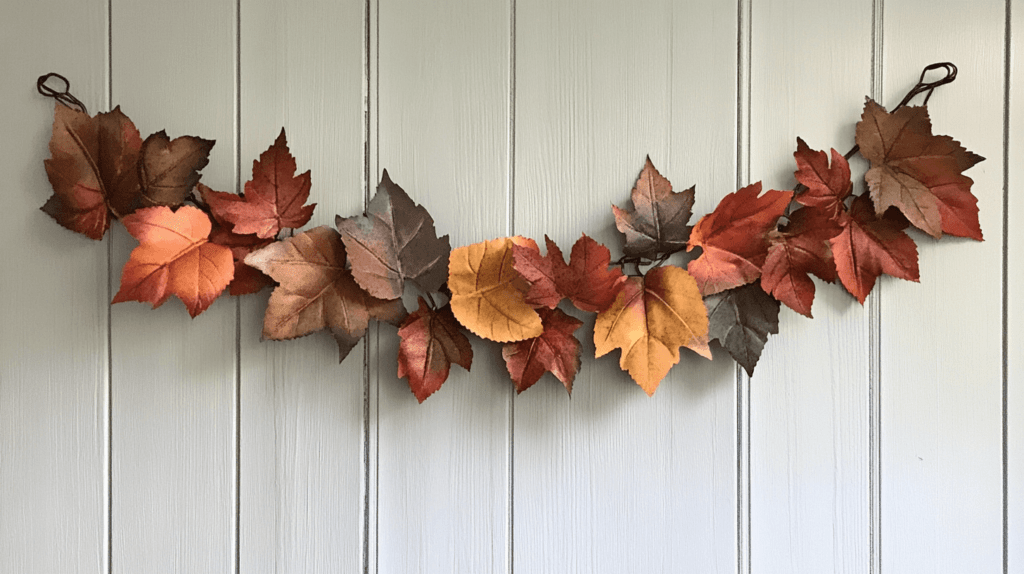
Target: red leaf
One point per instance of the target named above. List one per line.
(734, 238)
(273, 199)
(93, 169)
(587, 280)
(174, 257)
(247, 279)
(827, 187)
(799, 249)
(431, 342)
(555, 351)
(869, 246)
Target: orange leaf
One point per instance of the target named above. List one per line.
(431, 342)
(650, 319)
(556, 351)
(488, 295)
(734, 238)
(174, 257)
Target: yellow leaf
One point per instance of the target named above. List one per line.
(488, 294)
(650, 319)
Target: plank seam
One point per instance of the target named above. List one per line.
(110, 295)
(743, 87)
(510, 210)
(238, 302)
(366, 348)
(874, 319)
(1006, 281)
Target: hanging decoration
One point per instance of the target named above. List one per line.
(756, 251)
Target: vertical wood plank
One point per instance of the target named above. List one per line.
(302, 412)
(611, 480)
(941, 350)
(53, 309)
(809, 392)
(442, 467)
(173, 378)
(1015, 295)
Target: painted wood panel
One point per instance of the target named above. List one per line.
(301, 504)
(809, 393)
(173, 378)
(612, 480)
(940, 344)
(53, 337)
(440, 481)
(1015, 296)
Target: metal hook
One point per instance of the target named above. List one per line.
(64, 96)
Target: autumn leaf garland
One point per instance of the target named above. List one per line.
(756, 251)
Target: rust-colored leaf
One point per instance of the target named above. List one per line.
(169, 169)
(801, 248)
(653, 316)
(917, 172)
(587, 280)
(827, 186)
(869, 246)
(658, 222)
(555, 351)
(431, 342)
(488, 295)
(394, 242)
(734, 238)
(247, 280)
(274, 197)
(93, 169)
(174, 257)
(316, 292)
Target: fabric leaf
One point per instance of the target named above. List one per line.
(658, 222)
(827, 186)
(741, 320)
(587, 280)
(169, 169)
(800, 249)
(555, 351)
(431, 342)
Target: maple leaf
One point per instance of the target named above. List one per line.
(431, 342)
(827, 186)
(741, 320)
(734, 238)
(653, 316)
(394, 242)
(869, 246)
(92, 169)
(657, 223)
(555, 351)
(247, 280)
(587, 280)
(273, 198)
(168, 170)
(316, 292)
(488, 295)
(802, 247)
(917, 172)
(174, 257)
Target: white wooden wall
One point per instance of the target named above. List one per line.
(888, 438)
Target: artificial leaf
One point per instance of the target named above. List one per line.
(917, 172)
(802, 247)
(488, 295)
(555, 351)
(431, 342)
(741, 320)
(273, 199)
(827, 186)
(92, 169)
(658, 222)
(394, 242)
(247, 280)
(174, 257)
(316, 291)
(734, 238)
(653, 316)
(869, 246)
(587, 280)
(168, 170)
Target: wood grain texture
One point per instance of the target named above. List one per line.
(941, 347)
(441, 471)
(301, 412)
(612, 480)
(1015, 295)
(53, 337)
(173, 378)
(809, 393)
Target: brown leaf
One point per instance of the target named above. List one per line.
(555, 351)
(170, 169)
(827, 186)
(316, 292)
(658, 222)
(174, 257)
(917, 172)
(650, 319)
(92, 169)
(431, 342)
(801, 248)
(393, 243)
